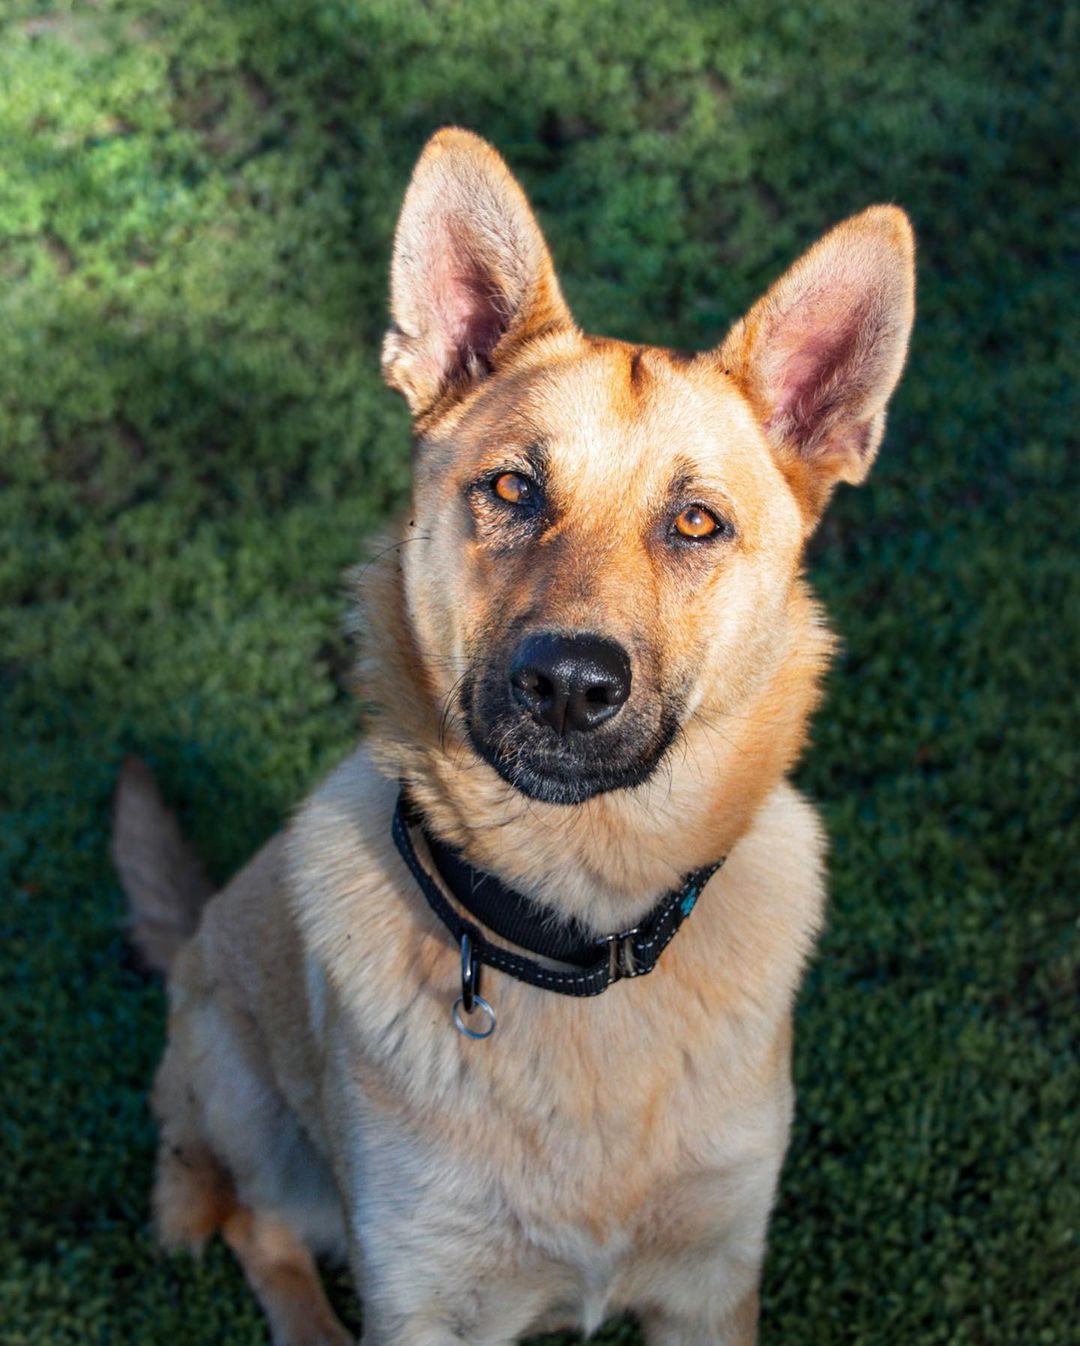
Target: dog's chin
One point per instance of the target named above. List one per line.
(567, 781)
(551, 787)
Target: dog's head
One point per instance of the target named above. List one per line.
(604, 537)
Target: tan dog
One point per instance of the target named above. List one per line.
(594, 662)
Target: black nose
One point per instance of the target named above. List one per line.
(570, 682)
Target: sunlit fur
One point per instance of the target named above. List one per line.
(593, 1156)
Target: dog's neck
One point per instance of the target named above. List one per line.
(603, 862)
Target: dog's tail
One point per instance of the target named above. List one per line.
(166, 884)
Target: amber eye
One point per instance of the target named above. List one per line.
(513, 488)
(696, 523)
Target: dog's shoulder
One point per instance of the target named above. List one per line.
(777, 870)
(756, 924)
(785, 846)
(339, 850)
(344, 879)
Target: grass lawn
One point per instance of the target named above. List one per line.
(196, 205)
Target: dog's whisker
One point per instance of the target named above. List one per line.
(712, 728)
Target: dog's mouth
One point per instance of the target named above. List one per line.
(567, 767)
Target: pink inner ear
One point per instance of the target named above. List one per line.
(466, 317)
(817, 351)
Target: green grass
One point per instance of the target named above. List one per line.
(196, 204)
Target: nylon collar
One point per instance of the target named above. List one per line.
(597, 961)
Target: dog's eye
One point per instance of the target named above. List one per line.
(513, 488)
(696, 523)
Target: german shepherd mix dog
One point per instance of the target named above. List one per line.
(594, 663)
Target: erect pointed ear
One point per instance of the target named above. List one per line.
(471, 276)
(820, 354)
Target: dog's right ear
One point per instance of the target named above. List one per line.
(820, 355)
(471, 276)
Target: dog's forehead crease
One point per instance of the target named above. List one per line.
(592, 415)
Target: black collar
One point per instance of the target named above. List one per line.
(597, 962)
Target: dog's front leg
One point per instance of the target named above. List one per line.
(420, 1330)
(457, 1307)
(423, 1284)
(738, 1328)
(432, 1258)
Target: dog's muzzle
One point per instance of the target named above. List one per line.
(556, 719)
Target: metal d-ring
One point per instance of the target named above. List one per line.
(470, 974)
(479, 1003)
(470, 1000)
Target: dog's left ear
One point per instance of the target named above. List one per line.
(471, 276)
(819, 356)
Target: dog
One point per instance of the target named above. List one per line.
(504, 1016)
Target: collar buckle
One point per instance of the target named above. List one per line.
(622, 934)
(621, 961)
